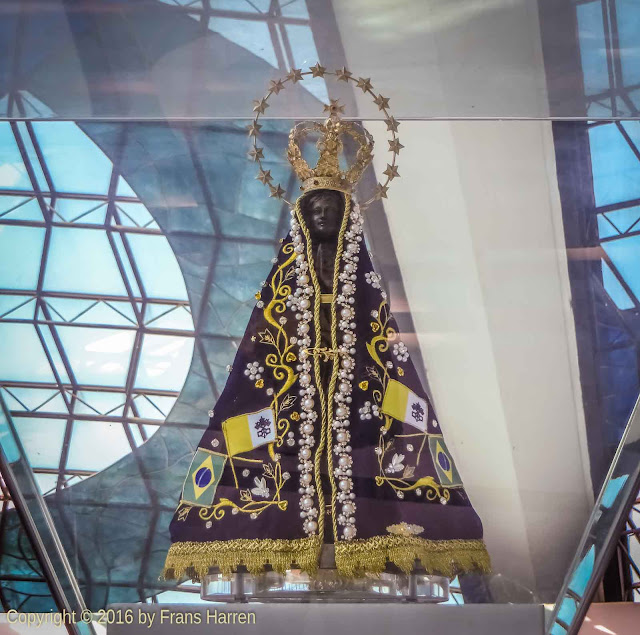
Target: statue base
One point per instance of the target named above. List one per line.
(295, 585)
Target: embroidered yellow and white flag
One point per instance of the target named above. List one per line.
(404, 405)
(246, 432)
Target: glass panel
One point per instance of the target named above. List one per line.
(545, 59)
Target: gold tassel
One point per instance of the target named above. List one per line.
(194, 559)
(443, 557)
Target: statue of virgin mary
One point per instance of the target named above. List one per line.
(323, 434)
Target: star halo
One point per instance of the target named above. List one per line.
(334, 109)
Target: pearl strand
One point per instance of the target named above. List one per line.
(300, 302)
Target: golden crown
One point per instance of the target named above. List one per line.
(327, 173)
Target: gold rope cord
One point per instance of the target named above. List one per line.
(444, 557)
(194, 559)
(316, 367)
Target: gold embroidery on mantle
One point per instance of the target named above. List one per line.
(194, 559)
(444, 557)
(353, 558)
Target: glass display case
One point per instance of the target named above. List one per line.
(146, 202)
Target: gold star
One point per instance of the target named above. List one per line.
(276, 192)
(260, 105)
(264, 176)
(381, 102)
(276, 86)
(392, 124)
(381, 191)
(254, 129)
(343, 74)
(317, 70)
(256, 153)
(395, 146)
(334, 108)
(364, 83)
(391, 172)
(295, 75)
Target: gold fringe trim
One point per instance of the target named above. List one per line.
(194, 559)
(443, 557)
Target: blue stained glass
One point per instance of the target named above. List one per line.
(592, 47)
(27, 398)
(33, 157)
(126, 264)
(613, 488)
(161, 275)
(20, 208)
(605, 228)
(134, 215)
(614, 288)
(88, 436)
(249, 34)
(82, 260)
(154, 407)
(42, 440)
(583, 572)
(13, 173)
(98, 356)
(46, 482)
(166, 317)
(616, 170)
(70, 210)
(625, 255)
(164, 361)
(124, 189)
(628, 29)
(20, 255)
(21, 355)
(52, 348)
(97, 402)
(305, 54)
(21, 307)
(75, 162)
(294, 8)
(623, 219)
(248, 6)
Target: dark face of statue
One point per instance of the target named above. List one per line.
(322, 211)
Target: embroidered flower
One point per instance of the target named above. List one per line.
(363, 385)
(261, 488)
(400, 372)
(375, 327)
(405, 529)
(254, 371)
(295, 416)
(260, 383)
(365, 411)
(401, 351)
(396, 464)
(373, 279)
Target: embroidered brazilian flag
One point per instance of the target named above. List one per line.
(404, 405)
(246, 432)
(445, 467)
(203, 477)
